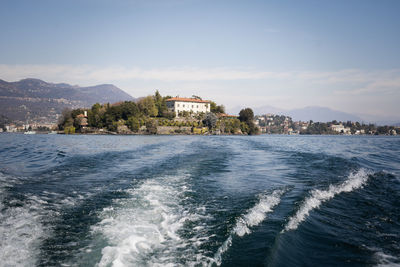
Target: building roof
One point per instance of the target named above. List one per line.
(83, 122)
(182, 99)
(224, 115)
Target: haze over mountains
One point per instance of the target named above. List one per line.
(321, 114)
(36, 100)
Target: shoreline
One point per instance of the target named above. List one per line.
(194, 134)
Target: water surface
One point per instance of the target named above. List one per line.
(199, 200)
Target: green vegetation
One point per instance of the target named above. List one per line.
(318, 128)
(246, 116)
(354, 128)
(69, 130)
(148, 114)
(214, 108)
(151, 126)
(210, 120)
(133, 124)
(110, 117)
(280, 124)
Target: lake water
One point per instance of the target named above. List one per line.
(266, 200)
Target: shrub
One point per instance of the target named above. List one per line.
(133, 124)
(69, 130)
(151, 127)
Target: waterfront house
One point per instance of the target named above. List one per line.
(191, 105)
(337, 128)
(83, 122)
(340, 129)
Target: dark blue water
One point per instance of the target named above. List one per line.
(199, 200)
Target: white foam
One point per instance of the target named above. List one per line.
(21, 228)
(145, 228)
(253, 217)
(354, 181)
(383, 259)
(21, 232)
(386, 260)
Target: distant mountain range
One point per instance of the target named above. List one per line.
(39, 101)
(36, 100)
(321, 114)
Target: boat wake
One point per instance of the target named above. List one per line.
(354, 181)
(253, 217)
(21, 230)
(145, 229)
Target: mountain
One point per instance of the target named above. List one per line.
(315, 113)
(381, 120)
(37, 100)
(257, 110)
(321, 114)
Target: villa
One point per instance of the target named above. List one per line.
(191, 105)
(340, 129)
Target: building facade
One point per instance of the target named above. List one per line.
(193, 105)
(340, 129)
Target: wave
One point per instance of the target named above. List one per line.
(21, 230)
(386, 260)
(145, 229)
(354, 181)
(253, 217)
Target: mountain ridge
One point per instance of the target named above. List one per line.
(32, 99)
(318, 113)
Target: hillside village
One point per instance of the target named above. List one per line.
(280, 124)
(185, 115)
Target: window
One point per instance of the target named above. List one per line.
(183, 105)
(178, 105)
(192, 106)
(197, 106)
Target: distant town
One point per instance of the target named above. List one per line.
(280, 124)
(183, 115)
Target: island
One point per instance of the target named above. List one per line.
(156, 114)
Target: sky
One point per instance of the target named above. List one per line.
(342, 54)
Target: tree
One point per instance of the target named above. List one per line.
(210, 120)
(160, 104)
(69, 130)
(214, 108)
(148, 107)
(168, 114)
(66, 119)
(129, 109)
(253, 129)
(184, 113)
(96, 116)
(133, 124)
(246, 115)
(151, 126)
(244, 127)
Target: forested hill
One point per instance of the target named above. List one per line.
(36, 100)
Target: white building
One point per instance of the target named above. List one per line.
(11, 128)
(337, 128)
(341, 129)
(179, 104)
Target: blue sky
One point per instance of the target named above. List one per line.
(290, 54)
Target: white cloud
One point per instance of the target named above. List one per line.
(350, 90)
(87, 73)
